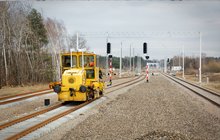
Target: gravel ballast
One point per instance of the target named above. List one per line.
(154, 110)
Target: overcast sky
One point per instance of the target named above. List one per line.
(166, 26)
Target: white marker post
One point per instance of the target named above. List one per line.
(110, 71)
(147, 68)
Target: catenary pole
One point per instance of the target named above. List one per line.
(130, 58)
(200, 57)
(183, 63)
(120, 62)
(133, 59)
(106, 67)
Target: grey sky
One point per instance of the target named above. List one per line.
(183, 19)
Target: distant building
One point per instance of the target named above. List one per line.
(153, 65)
(176, 68)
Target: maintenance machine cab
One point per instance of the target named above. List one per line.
(81, 79)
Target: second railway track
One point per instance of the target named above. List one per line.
(211, 96)
(27, 124)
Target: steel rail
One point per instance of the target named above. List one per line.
(125, 77)
(35, 127)
(207, 91)
(22, 98)
(131, 83)
(56, 117)
(21, 94)
(122, 83)
(13, 122)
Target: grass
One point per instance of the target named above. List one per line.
(6, 91)
(213, 84)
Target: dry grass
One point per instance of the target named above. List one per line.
(213, 84)
(6, 91)
(213, 67)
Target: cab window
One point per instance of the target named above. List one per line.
(66, 60)
(88, 61)
(90, 74)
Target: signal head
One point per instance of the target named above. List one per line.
(145, 48)
(108, 48)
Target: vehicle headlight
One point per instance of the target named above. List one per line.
(82, 89)
(57, 89)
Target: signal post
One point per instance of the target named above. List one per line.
(147, 73)
(110, 70)
(110, 63)
(147, 57)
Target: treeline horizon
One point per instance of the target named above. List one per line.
(191, 64)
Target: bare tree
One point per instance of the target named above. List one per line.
(56, 34)
(22, 56)
(82, 42)
(4, 7)
(29, 46)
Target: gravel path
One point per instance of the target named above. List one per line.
(148, 111)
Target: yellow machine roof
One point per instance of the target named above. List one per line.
(79, 53)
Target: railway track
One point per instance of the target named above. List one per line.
(211, 96)
(121, 83)
(18, 97)
(13, 122)
(25, 125)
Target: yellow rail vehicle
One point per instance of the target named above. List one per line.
(81, 78)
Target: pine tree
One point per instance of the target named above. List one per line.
(39, 33)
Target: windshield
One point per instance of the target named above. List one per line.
(88, 61)
(66, 61)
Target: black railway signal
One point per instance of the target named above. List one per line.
(145, 48)
(108, 48)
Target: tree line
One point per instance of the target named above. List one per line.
(125, 62)
(30, 46)
(191, 64)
